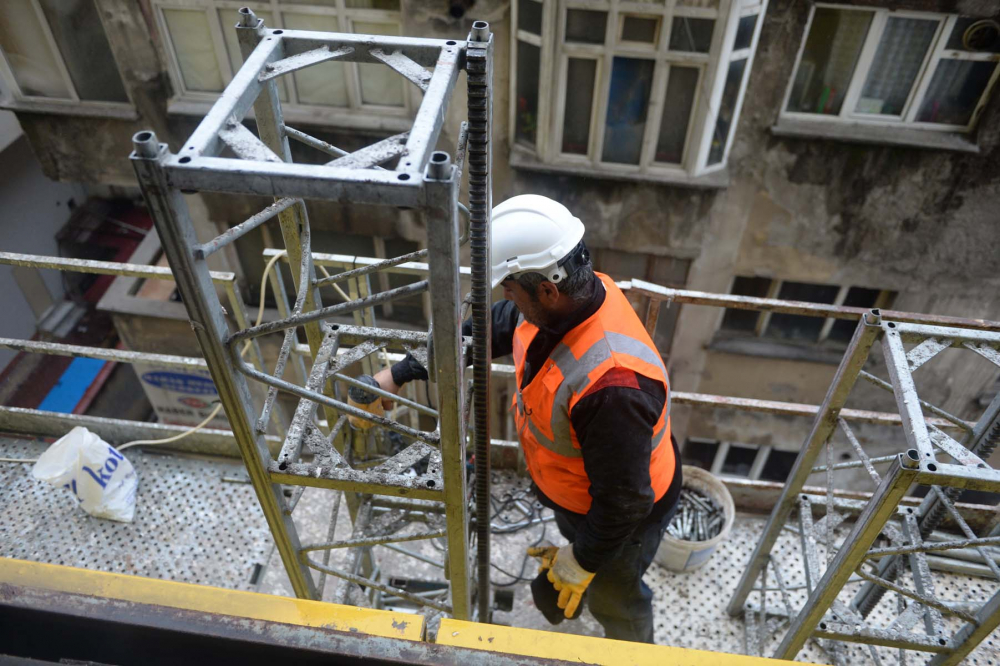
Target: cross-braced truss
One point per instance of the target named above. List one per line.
(426, 479)
(887, 546)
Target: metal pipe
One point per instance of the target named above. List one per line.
(243, 228)
(374, 541)
(416, 556)
(95, 267)
(327, 312)
(800, 307)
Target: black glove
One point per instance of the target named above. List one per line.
(407, 370)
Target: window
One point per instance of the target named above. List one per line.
(55, 57)
(204, 53)
(800, 328)
(906, 69)
(650, 91)
(737, 460)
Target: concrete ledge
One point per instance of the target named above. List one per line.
(519, 159)
(884, 135)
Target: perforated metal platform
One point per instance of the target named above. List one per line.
(192, 526)
(690, 609)
(189, 526)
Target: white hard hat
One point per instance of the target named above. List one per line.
(532, 233)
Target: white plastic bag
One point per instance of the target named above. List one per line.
(102, 480)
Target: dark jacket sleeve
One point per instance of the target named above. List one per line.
(505, 315)
(614, 425)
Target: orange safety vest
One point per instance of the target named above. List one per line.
(613, 337)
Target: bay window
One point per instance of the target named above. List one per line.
(614, 88)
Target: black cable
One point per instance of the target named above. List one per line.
(519, 578)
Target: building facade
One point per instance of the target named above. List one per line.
(830, 152)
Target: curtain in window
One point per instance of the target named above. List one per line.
(897, 63)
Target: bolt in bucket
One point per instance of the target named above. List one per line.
(683, 556)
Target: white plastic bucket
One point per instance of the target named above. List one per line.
(683, 556)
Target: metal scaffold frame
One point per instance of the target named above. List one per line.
(315, 453)
(825, 617)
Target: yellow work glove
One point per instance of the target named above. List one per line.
(569, 579)
(366, 400)
(546, 556)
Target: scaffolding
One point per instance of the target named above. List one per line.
(384, 496)
(825, 613)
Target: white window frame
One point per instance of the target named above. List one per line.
(356, 115)
(935, 54)
(554, 59)
(764, 317)
(17, 100)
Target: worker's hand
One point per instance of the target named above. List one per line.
(569, 579)
(385, 382)
(546, 556)
(362, 399)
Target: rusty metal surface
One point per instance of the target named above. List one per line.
(190, 525)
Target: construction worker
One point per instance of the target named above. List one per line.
(592, 409)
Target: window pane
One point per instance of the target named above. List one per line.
(195, 50)
(527, 92)
(955, 91)
(628, 103)
(727, 110)
(858, 297)
(744, 32)
(380, 84)
(681, 91)
(691, 34)
(78, 31)
(972, 34)
(579, 101)
(698, 453)
(828, 60)
(23, 42)
(900, 54)
(529, 16)
(778, 465)
(637, 29)
(800, 327)
(583, 25)
(323, 84)
(739, 460)
(745, 320)
(233, 43)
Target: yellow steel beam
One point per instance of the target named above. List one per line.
(583, 649)
(287, 610)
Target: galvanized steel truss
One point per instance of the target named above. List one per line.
(963, 465)
(314, 452)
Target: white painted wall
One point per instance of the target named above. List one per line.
(32, 209)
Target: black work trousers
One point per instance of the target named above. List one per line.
(617, 596)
